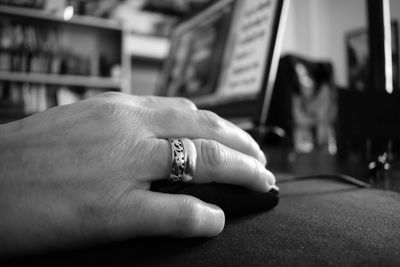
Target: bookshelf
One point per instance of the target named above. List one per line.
(43, 55)
(66, 80)
(146, 55)
(85, 21)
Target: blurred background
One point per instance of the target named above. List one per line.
(55, 52)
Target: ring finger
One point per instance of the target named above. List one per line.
(215, 163)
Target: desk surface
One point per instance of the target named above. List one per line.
(321, 162)
(317, 223)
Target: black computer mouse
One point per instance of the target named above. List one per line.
(233, 200)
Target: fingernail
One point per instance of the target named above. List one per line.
(270, 180)
(216, 220)
(275, 187)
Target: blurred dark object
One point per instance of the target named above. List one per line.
(368, 124)
(95, 8)
(304, 103)
(74, 65)
(26, 47)
(176, 7)
(11, 111)
(39, 4)
(358, 58)
(379, 168)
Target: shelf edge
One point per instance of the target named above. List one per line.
(67, 80)
(85, 21)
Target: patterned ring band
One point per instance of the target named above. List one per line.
(183, 160)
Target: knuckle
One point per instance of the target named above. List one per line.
(185, 102)
(111, 95)
(188, 218)
(211, 120)
(106, 109)
(148, 101)
(147, 149)
(212, 154)
(171, 115)
(112, 107)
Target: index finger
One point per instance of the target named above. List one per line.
(150, 101)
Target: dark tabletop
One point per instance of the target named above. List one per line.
(318, 222)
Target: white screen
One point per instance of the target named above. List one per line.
(247, 48)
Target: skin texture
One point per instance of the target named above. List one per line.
(80, 174)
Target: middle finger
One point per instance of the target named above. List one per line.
(203, 124)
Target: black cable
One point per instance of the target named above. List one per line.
(341, 177)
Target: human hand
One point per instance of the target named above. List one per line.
(81, 173)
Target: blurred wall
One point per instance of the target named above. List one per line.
(395, 10)
(395, 14)
(316, 29)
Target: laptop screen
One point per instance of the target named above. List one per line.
(224, 54)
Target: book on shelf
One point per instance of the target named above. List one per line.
(37, 49)
(37, 71)
(39, 97)
(88, 8)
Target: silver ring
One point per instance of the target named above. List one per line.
(183, 160)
